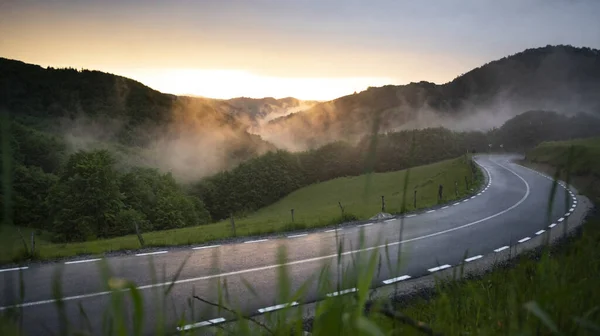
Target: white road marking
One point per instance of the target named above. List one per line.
(473, 197)
(540, 232)
(457, 203)
(479, 194)
(572, 209)
(439, 268)
(389, 220)
(392, 280)
(333, 230)
(552, 225)
(561, 219)
(465, 200)
(150, 253)
(430, 211)
(342, 292)
(201, 324)
(446, 207)
(255, 241)
(524, 239)
(204, 247)
(363, 225)
(409, 216)
(501, 249)
(473, 258)
(277, 307)
(81, 261)
(297, 262)
(298, 235)
(13, 269)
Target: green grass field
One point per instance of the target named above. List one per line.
(315, 205)
(586, 155)
(555, 295)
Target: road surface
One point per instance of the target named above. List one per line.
(510, 210)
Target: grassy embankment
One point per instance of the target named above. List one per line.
(556, 293)
(314, 206)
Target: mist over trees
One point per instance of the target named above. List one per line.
(88, 155)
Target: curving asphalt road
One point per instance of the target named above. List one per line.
(510, 210)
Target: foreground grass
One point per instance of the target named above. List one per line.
(314, 206)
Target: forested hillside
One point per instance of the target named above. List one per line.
(557, 78)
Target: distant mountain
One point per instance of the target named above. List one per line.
(257, 111)
(189, 136)
(557, 78)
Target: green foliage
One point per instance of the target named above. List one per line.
(31, 187)
(87, 199)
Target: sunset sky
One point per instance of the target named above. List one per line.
(309, 49)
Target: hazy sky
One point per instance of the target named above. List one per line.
(310, 49)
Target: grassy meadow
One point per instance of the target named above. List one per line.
(314, 206)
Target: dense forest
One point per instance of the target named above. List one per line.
(90, 194)
(87, 155)
(565, 79)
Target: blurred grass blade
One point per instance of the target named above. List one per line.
(536, 310)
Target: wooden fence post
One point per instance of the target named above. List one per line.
(415, 199)
(292, 215)
(139, 235)
(382, 203)
(232, 224)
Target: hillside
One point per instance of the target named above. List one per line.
(255, 112)
(557, 78)
(191, 137)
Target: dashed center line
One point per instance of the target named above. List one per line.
(552, 225)
(400, 278)
(524, 239)
(540, 232)
(81, 261)
(439, 268)
(277, 307)
(501, 249)
(150, 253)
(561, 219)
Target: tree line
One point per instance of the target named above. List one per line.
(92, 194)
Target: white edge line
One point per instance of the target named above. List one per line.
(501, 249)
(400, 278)
(13, 269)
(472, 197)
(363, 225)
(332, 230)
(262, 268)
(201, 324)
(473, 258)
(410, 216)
(255, 241)
(457, 203)
(524, 239)
(204, 247)
(389, 220)
(150, 253)
(342, 292)
(552, 225)
(446, 207)
(81, 261)
(430, 211)
(298, 235)
(540, 232)
(561, 219)
(277, 307)
(439, 268)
